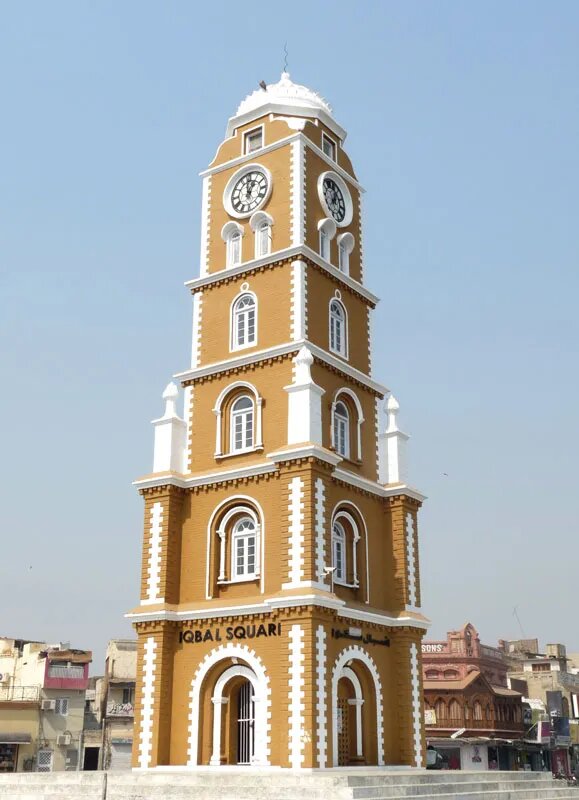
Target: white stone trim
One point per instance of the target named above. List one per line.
(296, 696)
(256, 509)
(320, 511)
(283, 602)
(296, 542)
(341, 508)
(298, 313)
(262, 706)
(188, 408)
(208, 477)
(322, 703)
(377, 406)
(218, 701)
(369, 333)
(205, 220)
(273, 352)
(277, 255)
(410, 560)
(196, 337)
(358, 702)
(376, 488)
(360, 236)
(224, 448)
(234, 162)
(356, 653)
(416, 715)
(155, 552)
(147, 702)
(297, 192)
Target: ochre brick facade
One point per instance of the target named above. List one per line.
(279, 621)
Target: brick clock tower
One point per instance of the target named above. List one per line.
(279, 622)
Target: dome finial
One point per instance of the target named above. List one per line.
(285, 61)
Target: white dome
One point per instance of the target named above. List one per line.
(286, 93)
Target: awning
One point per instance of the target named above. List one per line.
(15, 738)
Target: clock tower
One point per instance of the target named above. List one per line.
(280, 615)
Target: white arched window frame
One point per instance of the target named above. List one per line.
(358, 702)
(242, 425)
(244, 550)
(327, 229)
(228, 526)
(345, 246)
(232, 234)
(350, 549)
(244, 321)
(261, 224)
(341, 429)
(338, 327)
(245, 389)
(338, 398)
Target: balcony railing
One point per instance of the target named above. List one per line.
(120, 709)
(478, 724)
(19, 694)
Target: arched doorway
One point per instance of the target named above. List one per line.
(230, 724)
(349, 719)
(357, 712)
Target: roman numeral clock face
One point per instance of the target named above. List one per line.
(335, 198)
(249, 192)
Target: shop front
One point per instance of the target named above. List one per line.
(9, 746)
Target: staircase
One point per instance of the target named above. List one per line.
(246, 784)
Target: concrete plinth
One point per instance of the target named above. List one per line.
(277, 784)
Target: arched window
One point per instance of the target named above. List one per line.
(231, 234)
(341, 428)
(243, 549)
(242, 424)
(243, 322)
(432, 674)
(338, 328)
(477, 710)
(345, 247)
(327, 229)
(454, 710)
(345, 538)
(261, 223)
(235, 539)
(440, 709)
(339, 552)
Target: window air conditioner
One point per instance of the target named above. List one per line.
(48, 705)
(63, 739)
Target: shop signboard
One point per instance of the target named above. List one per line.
(544, 731)
(430, 716)
(561, 731)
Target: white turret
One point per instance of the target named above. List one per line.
(304, 402)
(170, 435)
(392, 447)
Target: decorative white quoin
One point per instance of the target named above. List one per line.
(322, 703)
(262, 700)
(392, 447)
(416, 715)
(170, 436)
(321, 565)
(297, 187)
(155, 549)
(296, 533)
(148, 698)
(304, 402)
(410, 561)
(296, 696)
(298, 318)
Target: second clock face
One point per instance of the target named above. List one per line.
(334, 199)
(249, 191)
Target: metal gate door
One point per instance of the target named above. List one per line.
(246, 724)
(343, 732)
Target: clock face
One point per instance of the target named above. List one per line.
(249, 191)
(334, 199)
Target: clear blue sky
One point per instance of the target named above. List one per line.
(463, 125)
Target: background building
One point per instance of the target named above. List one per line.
(42, 703)
(472, 716)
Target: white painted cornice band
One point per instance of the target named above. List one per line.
(281, 143)
(182, 482)
(278, 603)
(196, 284)
(280, 350)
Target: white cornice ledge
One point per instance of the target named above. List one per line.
(280, 350)
(288, 252)
(305, 451)
(188, 482)
(275, 603)
(377, 488)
